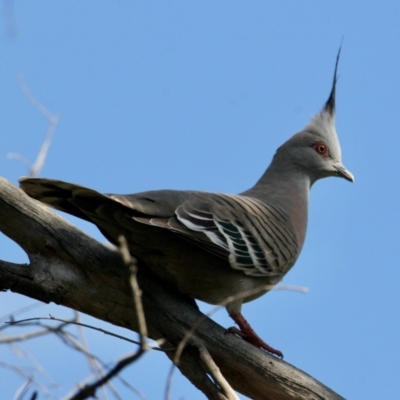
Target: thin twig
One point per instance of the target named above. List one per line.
(22, 310)
(23, 321)
(22, 390)
(29, 377)
(94, 365)
(90, 390)
(69, 341)
(36, 167)
(26, 336)
(215, 372)
(136, 292)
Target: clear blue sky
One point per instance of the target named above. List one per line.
(198, 95)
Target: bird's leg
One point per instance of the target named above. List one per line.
(247, 333)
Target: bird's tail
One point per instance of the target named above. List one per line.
(62, 195)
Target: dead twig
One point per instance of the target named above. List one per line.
(36, 167)
(94, 364)
(216, 374)
(130, 262)
(90, 390)
(23, 322)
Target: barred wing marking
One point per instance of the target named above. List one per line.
(196, 216)
(259, 237)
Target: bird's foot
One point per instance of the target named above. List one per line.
(246, 332)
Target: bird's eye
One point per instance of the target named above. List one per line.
(321, 148)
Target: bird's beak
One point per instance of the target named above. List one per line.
(342, 172)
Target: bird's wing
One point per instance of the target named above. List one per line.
(257, 238)
(110, 211)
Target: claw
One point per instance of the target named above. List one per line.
(246, 332)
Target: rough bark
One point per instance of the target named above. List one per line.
(67, 267)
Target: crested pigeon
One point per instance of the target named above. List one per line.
(213, 246)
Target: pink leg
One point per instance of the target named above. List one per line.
(247, 333)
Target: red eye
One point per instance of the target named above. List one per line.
(321, 148)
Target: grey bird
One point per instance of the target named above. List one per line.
(213, 246)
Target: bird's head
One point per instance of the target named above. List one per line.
(316, 149)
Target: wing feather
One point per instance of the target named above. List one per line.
(259, 238)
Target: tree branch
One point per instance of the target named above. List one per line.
(67, 267)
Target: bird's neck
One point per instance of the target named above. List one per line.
(287, 190)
